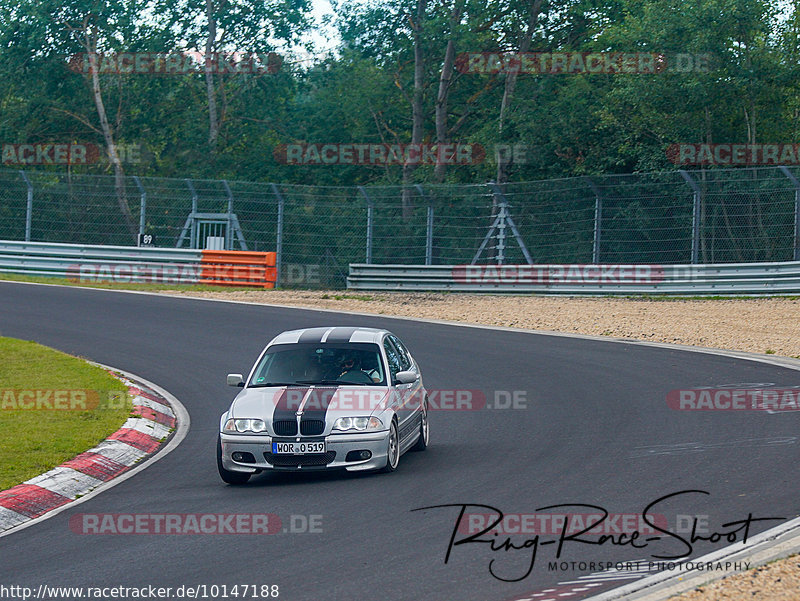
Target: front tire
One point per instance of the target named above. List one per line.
(393, 451)
(424, 432)
(229, 477)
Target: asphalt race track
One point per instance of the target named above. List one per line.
(597, 430)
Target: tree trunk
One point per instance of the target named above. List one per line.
(211, 93)
(445, 79)
(416, 105)
(504, 162)
(108, 136)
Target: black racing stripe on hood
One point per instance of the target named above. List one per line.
(289, 400)
(318, 402)
(287, 403)
(313, 335)
(341, 334)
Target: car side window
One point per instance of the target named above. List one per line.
(405, 356)
(393, 356)
(261, 373)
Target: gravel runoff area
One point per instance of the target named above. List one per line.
(758, 325)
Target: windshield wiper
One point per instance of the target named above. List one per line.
(268, 384)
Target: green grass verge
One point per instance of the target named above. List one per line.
(122, 286)
(35, 439)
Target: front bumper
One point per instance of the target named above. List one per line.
(260, 448)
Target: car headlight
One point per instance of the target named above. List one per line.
(358, 423)
(245, 425)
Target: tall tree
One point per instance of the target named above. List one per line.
(417, 21)
(87, 32)
(504, 159)
(232, 29)
(445, 79)
(87, 28)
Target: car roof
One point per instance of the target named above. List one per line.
(337, 334)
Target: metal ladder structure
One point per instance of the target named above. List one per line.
(212, 231)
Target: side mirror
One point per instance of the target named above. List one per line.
(406, 377)
(235, 380)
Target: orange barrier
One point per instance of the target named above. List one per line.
(238, 268)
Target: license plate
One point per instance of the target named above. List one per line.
(298, 448)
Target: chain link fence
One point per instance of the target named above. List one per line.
(701, 216)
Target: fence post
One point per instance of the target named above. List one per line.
(229, 227)
(598, 221)
(29, 206)
(695, 216)
(370, 223)
(142, 204)
(428, 226)
(796, 185)
(278, 236)
(194, 242)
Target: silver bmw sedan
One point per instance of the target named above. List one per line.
(321, 399)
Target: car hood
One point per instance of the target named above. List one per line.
(317, 402)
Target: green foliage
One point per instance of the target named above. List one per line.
(572, 124)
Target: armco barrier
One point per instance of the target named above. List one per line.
(732, 278)
(131, 264)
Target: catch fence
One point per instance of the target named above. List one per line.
(703, 216)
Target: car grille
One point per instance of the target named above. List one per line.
(300, 460)
(285, 427)
(312, 427)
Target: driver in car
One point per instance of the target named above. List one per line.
(352, 370)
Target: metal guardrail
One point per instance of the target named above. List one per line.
(62, 260)
(732, 278)
(95, 263)
(124, 264)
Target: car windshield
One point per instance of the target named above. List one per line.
(325, 364)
